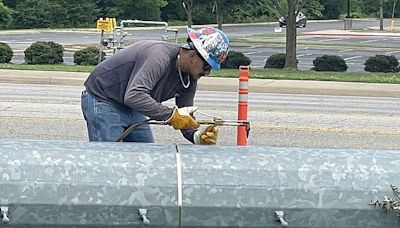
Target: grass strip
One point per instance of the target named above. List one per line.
(366, 77)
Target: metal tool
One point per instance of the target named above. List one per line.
(216, 121)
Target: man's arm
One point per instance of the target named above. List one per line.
(186, 99)
(145, 75)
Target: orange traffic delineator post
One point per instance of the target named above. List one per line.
(244, 73)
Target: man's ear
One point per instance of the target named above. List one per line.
(192, 53)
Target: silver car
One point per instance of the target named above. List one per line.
(301, 21)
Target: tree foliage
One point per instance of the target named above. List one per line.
(329, 63)
(6, 53)
(222, 7)
(332, 8)
(39, 14)
(10, 3)
(173, 11)
(276, 61)
(42, 52)
(252, 11)
(80, 13)
(76, 13)
(371, 8)
(235, 59)
(382, 63)
(107, 8)
(88, 56)
(5, 16)
(141, 10)
(313, 9)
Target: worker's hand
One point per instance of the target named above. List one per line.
(208, 136)
(182, 118)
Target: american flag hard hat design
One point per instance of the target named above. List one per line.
(211, 43)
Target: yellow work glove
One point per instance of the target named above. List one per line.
(182, 118)
(208, 136)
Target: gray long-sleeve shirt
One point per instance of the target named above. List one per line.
(140, 77)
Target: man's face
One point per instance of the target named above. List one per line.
(199, 66)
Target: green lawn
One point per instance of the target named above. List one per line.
(393, 78)
(56, 67)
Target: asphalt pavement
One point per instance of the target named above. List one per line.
(222, 84)
(231, 84)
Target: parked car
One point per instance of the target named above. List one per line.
(301, 21)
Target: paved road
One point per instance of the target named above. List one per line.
(53, 112)
(307, 51)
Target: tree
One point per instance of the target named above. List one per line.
(173, 11)
(371, 7)
(188, 6)
(39, 14)
(252, 11)
(313, 9)
(332, 8)
(5, 15)
(10, 3)
(293, 8)
(222, 6)
(80, 13)
(107, 9)
(140, 10)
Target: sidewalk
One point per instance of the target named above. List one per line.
(221, 84)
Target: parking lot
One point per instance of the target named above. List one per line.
(316, 40)
(355, 50)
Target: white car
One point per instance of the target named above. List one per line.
(301, 21)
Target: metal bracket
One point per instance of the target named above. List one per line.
(4, 215)
(143, 213)
(279, 217)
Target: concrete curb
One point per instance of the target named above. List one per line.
(221, 84)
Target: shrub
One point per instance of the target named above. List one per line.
(381, 63)
(329, 63)
(235, 59)
(6, 53)
(44, 53)
(88, 56)
(276, 61)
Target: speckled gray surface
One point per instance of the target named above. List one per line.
(57, 183)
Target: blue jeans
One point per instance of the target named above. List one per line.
(106, 122)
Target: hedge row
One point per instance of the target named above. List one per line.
(377, 63)
(42, 52)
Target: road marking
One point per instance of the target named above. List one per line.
(307, 54)
(354, 57)
(391, 52)
(335, 39)
(14, 117)
(347, 50)
(370, 41)
(254, 52)
(15, 42)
